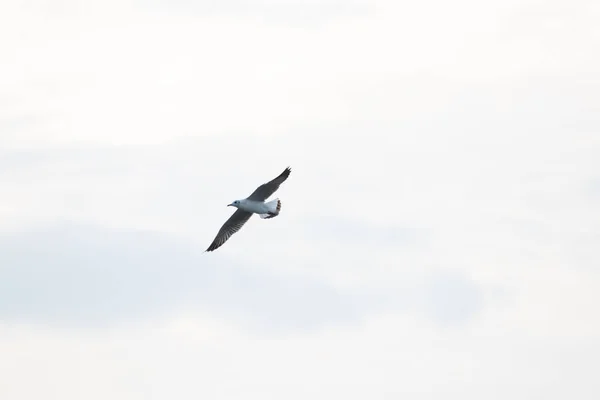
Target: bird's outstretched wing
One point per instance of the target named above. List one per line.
(265, 190)
(231, 226)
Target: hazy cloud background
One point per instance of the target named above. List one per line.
(439, 233)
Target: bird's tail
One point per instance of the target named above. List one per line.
(274, 207)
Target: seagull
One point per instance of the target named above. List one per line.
(253, 204)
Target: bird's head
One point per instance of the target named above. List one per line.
(235, 204)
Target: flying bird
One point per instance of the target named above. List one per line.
(253, 204)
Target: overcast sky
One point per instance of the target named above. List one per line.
(439, 234)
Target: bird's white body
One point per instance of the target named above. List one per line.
(264, 209)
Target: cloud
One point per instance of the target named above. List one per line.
(86, 276)
(91, 276)
(302, 13)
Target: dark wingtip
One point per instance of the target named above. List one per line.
(212, 247)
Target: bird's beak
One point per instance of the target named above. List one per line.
(228, 205)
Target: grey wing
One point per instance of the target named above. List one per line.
(231, 226)
(265, 190)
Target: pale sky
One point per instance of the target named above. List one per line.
(439, 235)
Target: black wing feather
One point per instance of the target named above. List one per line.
(267, 189)
(231, 226)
